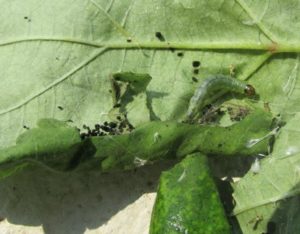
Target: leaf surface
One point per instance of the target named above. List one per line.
(61, 53)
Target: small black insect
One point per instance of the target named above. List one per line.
(27, 18)
(196, 63)
(129, 39)
(196, 71)
(60, 107)
(112, 125)
(83, 136)
(117, 105)
(159, 36)
(180, 54)
(194, 79)
(94, 132)
(26, 127)
(105, 128)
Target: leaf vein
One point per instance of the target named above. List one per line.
(56, 82)
(258, 20)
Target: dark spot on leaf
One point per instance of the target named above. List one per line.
(94, 132)
(180, 54)
(105, 128)
(129, 39)
(194, 79)
(60, 107)
(130, 126)
(220, 145)
(26, 127)
(196, 63)
(112, 125)
(159, 36)
(196, 71)
(117, 105)
(27, 18)
(83, 136)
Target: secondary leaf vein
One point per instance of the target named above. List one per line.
(56, 82)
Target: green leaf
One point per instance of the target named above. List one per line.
(188, 200)
(56, 145)
(52, 144)
(60, 53)
(49, 60)
(129, 92)
(275, 189)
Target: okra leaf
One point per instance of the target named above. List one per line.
(56, 58)
(188, 183)
(58, 146)
(52, 144)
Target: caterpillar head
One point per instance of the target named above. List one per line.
(249, 90)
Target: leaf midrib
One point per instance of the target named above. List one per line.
(153, 45)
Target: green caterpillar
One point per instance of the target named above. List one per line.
(211, 89)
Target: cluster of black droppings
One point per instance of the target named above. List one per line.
(196, 64)
(159, 36)
(237, 114)
(211, 114)
(107, 128)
